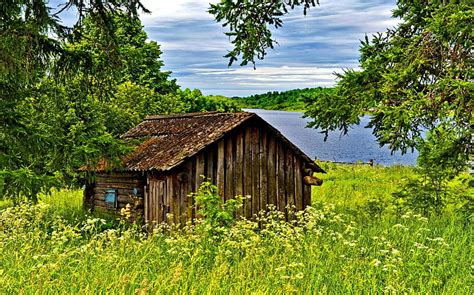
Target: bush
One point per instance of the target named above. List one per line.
(217, 214)
(441, 162)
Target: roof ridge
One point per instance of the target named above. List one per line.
(190, 115)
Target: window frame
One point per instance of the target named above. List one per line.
(111, 193)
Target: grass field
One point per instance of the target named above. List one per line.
(342, 245)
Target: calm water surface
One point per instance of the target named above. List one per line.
(358, 145)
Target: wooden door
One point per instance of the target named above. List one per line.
(155, 201)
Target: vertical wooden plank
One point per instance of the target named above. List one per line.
(191, 185)
(195, 189)
(161, 188)
(152, 200)
(229, 168)
(184, 184)
(149, 200)
(248, 172)
(263, 160)
(277, 176)
(271, 168)
(281, 177)
(307, 191)
(163, 207)
(166, 202)
(220, 177)
(210, 164)
(154, 192)
(255, 171)
(298, 183)
(215, 150)
(158, 200)
(200, 163)
(239, 163)
(182, 201)
(290, 179)
(169, 197)
(157, 204)
(146, 205)
(176, 198)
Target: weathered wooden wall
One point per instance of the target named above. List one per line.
(247, 161)
(166, 195)
(123, 182)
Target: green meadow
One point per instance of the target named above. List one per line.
(353, 240)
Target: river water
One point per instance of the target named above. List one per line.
(358, 145)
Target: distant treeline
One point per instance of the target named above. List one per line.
(286, 100)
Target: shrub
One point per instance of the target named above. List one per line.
(440, 162)
(216, 213)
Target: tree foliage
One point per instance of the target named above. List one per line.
(249, 24)
(437, 182)
(68, 93)
(294, 99)
(38, 122)
(417, 82)
(414, 78)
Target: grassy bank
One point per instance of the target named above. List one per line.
(290, 100)
(352, 186)
(338, 246)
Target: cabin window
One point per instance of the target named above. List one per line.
(111, 198)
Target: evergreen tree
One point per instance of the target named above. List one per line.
(414, 78)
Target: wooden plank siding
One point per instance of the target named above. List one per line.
(280, 178)
(246, 161)
(229, 168)
(247, 171)
(239, 165)
(289, 179)
(255, 171)
(263, 158)
(298, 169)
(272, 172)
(220, 176)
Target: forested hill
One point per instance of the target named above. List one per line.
(286, 100)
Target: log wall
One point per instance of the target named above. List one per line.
(124, 183)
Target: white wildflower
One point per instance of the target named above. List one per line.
(376, 262)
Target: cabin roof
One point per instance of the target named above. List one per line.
(170, 140)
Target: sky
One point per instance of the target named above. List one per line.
(311, 49)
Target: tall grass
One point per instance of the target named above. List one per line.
(54, 247)
(351, 186)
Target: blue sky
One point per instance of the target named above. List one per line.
(310, 48)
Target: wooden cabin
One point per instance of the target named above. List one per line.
(239, 152)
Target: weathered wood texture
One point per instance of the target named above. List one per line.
(247, 161)
(125, 184)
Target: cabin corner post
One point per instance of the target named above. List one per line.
(88, 196)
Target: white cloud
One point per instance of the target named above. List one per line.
(310, 48)
(175, 10)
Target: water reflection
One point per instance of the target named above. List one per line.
(358, 145)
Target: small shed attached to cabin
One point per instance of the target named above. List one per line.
(239, 152)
